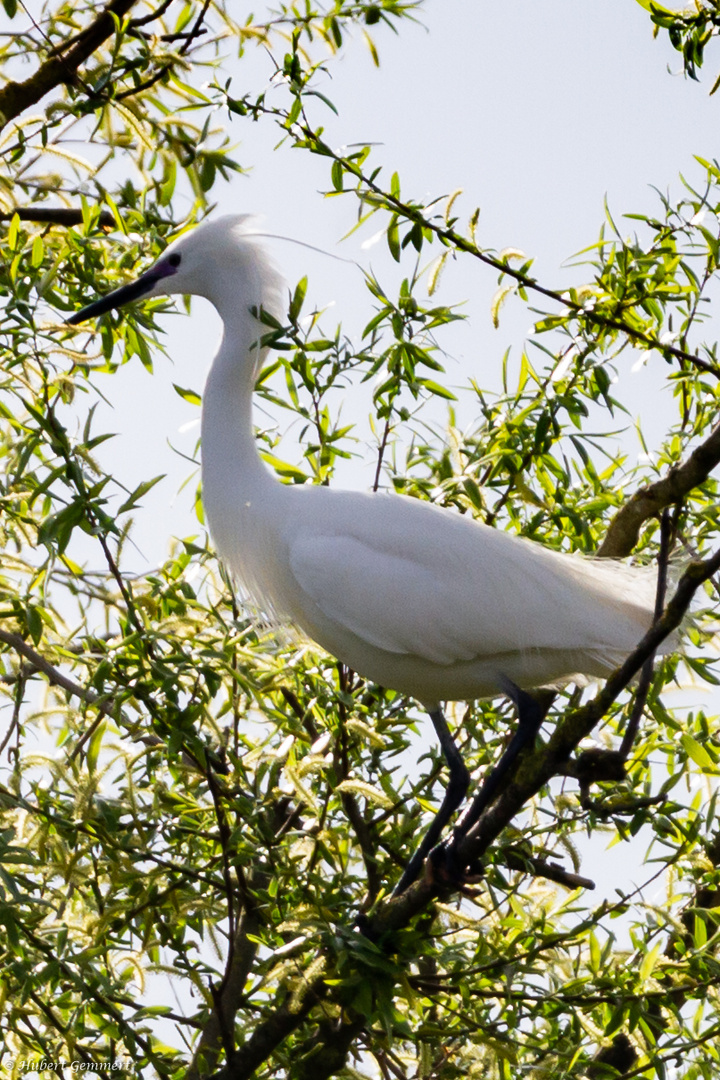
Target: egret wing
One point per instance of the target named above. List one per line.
(455, 607)
(399, 604)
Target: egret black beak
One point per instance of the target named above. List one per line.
(125, 294)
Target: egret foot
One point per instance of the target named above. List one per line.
(444, 870)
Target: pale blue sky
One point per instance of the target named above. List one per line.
(537, 111)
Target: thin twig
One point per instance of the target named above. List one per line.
(17, 705)
(143, 20)
(362, 829)
(224, 834)
(381, 454)
(460, 243)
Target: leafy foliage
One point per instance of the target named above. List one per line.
(184, 792)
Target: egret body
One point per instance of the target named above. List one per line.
(417, 598)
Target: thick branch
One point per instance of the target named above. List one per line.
(266, 1038)
(533, 775)
(221, 1024)
(518, 860)
(58, 70)
(57, 215)
(575, 727)
(325, 1052)
(625, 527)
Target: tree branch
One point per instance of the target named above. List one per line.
(667, 536)
(15, 97)
(575, 727)
(268, 1035)
(396, 913)
(212, 1043)
(518, 860)
(105, 706)
(57, 215)
(55, 677)
(452, 239)
(533, 774)
(624, 530)
(143, 20)
(324, 1053)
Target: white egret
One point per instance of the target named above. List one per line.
(417, 598)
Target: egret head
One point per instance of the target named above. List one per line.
(218, 260)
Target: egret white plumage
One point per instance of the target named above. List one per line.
(414, 597)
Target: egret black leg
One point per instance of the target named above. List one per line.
(454, 795)
(531, 714)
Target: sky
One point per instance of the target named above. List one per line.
(538, 112)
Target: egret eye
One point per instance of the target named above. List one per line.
(175, 259)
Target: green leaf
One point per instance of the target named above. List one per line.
(297, 299)
(337, 175)
(438, 390)
(648, 962)
(284, 468)
(368, 40)
(188, 395)
(140, 490)
(38, 251)
(94, 746)
(58, 528)
(34, 624)
(699, 754)
(393, 239)
(13, 230)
